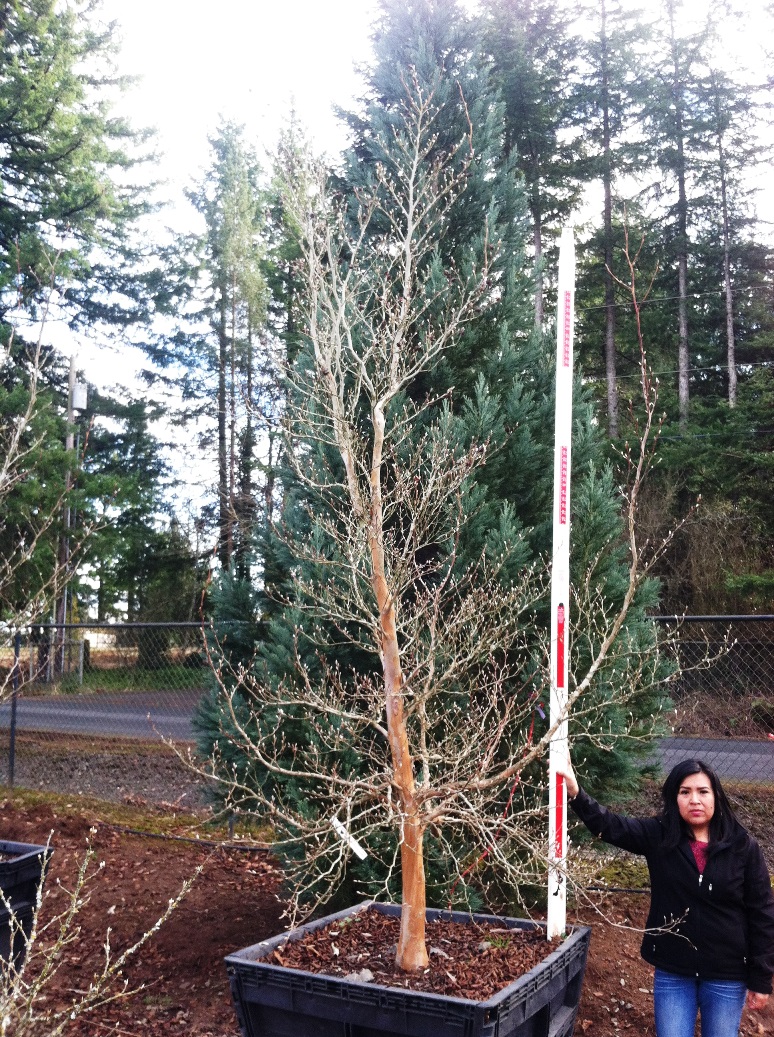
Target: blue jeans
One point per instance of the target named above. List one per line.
(678, 999)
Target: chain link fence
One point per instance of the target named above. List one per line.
(723, 694)
(726, 656)
(85, 708)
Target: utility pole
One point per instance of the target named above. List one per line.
(76, 400)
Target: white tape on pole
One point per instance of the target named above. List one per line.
(560, 587)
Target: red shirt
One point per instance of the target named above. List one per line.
(700, 853)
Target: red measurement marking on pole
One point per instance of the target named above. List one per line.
(567, 330)
(560, 638)
(558, 841)
(560, 646)
(563, 477)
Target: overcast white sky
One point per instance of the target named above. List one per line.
(249, 62)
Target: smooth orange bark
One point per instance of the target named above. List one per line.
(412, 949)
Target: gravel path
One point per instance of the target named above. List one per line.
(126, 773)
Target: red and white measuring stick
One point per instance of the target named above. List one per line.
(560, 587)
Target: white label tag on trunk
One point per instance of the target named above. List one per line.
(344, 835)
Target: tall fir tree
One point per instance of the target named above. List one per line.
(69, 208)
(609, 110)
(229, 198)
(33, 467)
(675, 135)
(137, 554)
(71, 253)
(534, 58)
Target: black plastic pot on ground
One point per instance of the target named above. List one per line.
(273, 1001)
(22, 867)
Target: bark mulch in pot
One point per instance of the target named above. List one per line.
(468, 960)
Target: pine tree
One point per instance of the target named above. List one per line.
(724, 271)
(609, 109)
(33, 466)
(230, 201)
(121, 473)
(69, 249)
(731, 123)
(534, 60)
(675, 135)
(68, 207)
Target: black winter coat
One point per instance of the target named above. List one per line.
(719, 925)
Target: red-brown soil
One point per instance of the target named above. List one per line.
(234, 903)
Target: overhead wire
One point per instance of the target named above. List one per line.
(675, 298)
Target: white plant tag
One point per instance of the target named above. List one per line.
(344, 835)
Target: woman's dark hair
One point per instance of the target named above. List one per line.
(724, 824)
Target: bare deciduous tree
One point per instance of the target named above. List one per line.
(438, 739)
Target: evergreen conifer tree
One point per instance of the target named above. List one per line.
(609, 109)
(534, 59)
(230, 201)
(69, 209)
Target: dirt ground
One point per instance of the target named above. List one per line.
(235, 902)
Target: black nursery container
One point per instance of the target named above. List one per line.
(21, 871)
(273, 1001)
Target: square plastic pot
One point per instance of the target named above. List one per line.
(15, 929)
(21, 869)
(22, 866)
(273, 1001)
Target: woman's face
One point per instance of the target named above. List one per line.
(696, 800)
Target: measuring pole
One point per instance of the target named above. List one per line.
(560, 588)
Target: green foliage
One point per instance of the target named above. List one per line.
(61, 150)
(35, 464)
(612, 766)
(229, 360)
(69, 251)
(133, 567)
(138, 564)
(232, 645)
(724, 456)
(534, 60)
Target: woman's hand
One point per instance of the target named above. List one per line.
(565, 769)
(756, 1001)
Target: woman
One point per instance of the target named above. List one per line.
(710, 929)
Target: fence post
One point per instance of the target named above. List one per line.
(14, 697)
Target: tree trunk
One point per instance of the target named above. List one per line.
(607, 175)
(682, 227)
(412, 950)
(268, 490)
(232, 421)
(729, 295)
(537, 240)
(245, 513)
(730, 339)
(223, 522)
(101, 605)
(682, 327)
